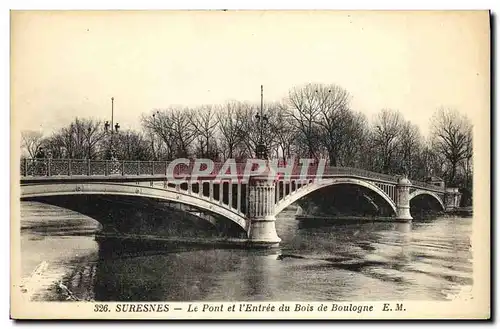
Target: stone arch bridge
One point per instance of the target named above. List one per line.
(252, 204)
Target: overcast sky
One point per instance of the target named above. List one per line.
(67, 64)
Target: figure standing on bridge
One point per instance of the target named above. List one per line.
(40, 154)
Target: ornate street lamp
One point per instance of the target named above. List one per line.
(152, 139)
(261, 149)
(152, 135)
(170, 145)
(89, 130)
(108, 128)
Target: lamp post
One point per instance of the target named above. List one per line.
(109, 130)
(112, 110)
(89, 130)
(115, 164)
(152, 135)
(170, 145)
(260, 149)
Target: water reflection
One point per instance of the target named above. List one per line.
(261, 273)
(422, 260)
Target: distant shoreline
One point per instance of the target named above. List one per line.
(365, 219)
(464, 211)
(360, 219)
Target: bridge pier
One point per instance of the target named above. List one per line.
(403, 200)
(261, 203)
(452, 198)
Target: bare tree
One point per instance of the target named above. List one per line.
(204, 123)
(351, 150)
(156, 143)
(278, 132)
(81, 139)
(160, 123)
(284, 133)
(428, 162)
(132, 145)
(467, 161)
(173, 126)
(410, 144)
(387, 132)
(451, 133)
(230, 119)
(31, 142)
(183, 133)
(334, 118)
(303, 108)
(250, 130)
(94, 135)
(371, 158)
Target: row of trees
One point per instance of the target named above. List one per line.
(314, 121)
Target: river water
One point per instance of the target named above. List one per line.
(422, 260)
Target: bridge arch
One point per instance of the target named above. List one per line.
(169, 194)
(429, 193)
(307, 189)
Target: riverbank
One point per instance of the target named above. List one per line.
(116, 243)
(345, 219)
(462, 212)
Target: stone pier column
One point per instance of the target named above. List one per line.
(262, 229)
(452, 198)
(403, 200)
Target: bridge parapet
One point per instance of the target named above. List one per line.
(349, 171)
(85, 167)
(429, 187)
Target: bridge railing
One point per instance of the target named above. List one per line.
(85, 167)
(428, 186)
(341, 171)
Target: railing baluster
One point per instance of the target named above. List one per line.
(26, 167)
(123, 167)
(138, 168)
(89, 168)
(152, 168)
(48, 167)
(69, 167)
(106, 168)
